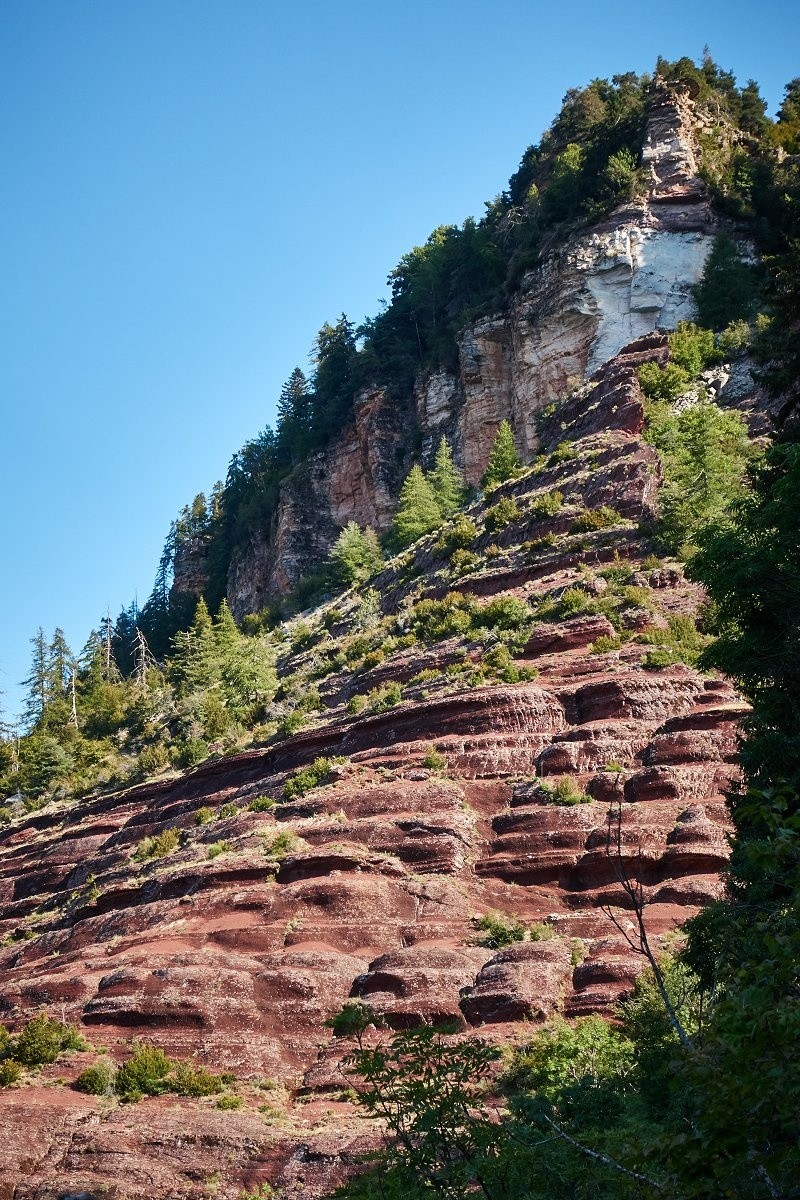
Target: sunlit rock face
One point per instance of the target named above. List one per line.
(627, 277)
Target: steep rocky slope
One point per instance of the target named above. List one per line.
(589, 297)
(272, 906)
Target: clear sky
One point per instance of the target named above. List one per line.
(190, 188)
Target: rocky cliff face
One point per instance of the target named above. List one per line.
(269, 913)
(589, 298)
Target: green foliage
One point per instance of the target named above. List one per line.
(10, 1072)
(447, 481)
(499, 930)
(158, 846)
(595, 518)
(418, 510)
(604, 644)
(188, 1080)
(144, 1074)
(679, 642)
(352, 1019)
(43, 1039)
(282, 844)
(462, 562)
(217, 848)
(230, 1103)
(97, 1080)
(504, 461)
(458, 536)
(546, 505)
(564, 791)
(564, 452)
(503, 612)
(663, 383)
(204, 815)
(433, 620)
(356, 555)
(313, 776)
(705, 452)
(261, 804)
(748, 565)
(501, 514)
(728, 290)
(433, 760)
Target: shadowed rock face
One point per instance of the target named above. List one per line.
(369, 886)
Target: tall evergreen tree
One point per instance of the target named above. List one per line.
(38, 681)
(504, 462)
(294, 416)
(418, 510)
(447, 481)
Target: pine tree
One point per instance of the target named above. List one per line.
(294, 416)
(447, 481)
(38, 682)
(418, 511)
(193, 660)
(356, 554)
(504, 462)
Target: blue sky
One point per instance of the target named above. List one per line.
(191, 188)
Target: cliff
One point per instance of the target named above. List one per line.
(632, 274)
(516, 733)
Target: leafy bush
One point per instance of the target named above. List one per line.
(501, 514)
(546, 505)
(680, 642)
(261, 804)
(595, 518)
(281, 845)
(564, 452)
(217, 848)
(434, 620)
(382, 698)
(504, 612)
(230, 1103)
(563, 791)
(43, 1039)
(458, 536)
(499, 930)
(189, 1080)
(204, 815)
(693, 348)
(98, 1080)
(353, 1018)
(9, 1072)
(144, 1074)
(604, 644)
(663, 383)
(157, 847)
(434, 761)
(310, 777)
(463, 561)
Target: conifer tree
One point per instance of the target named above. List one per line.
(418, 511)
(447, 481)
(192, 664)
(38, 681)
(504, 462)
(356, 554)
